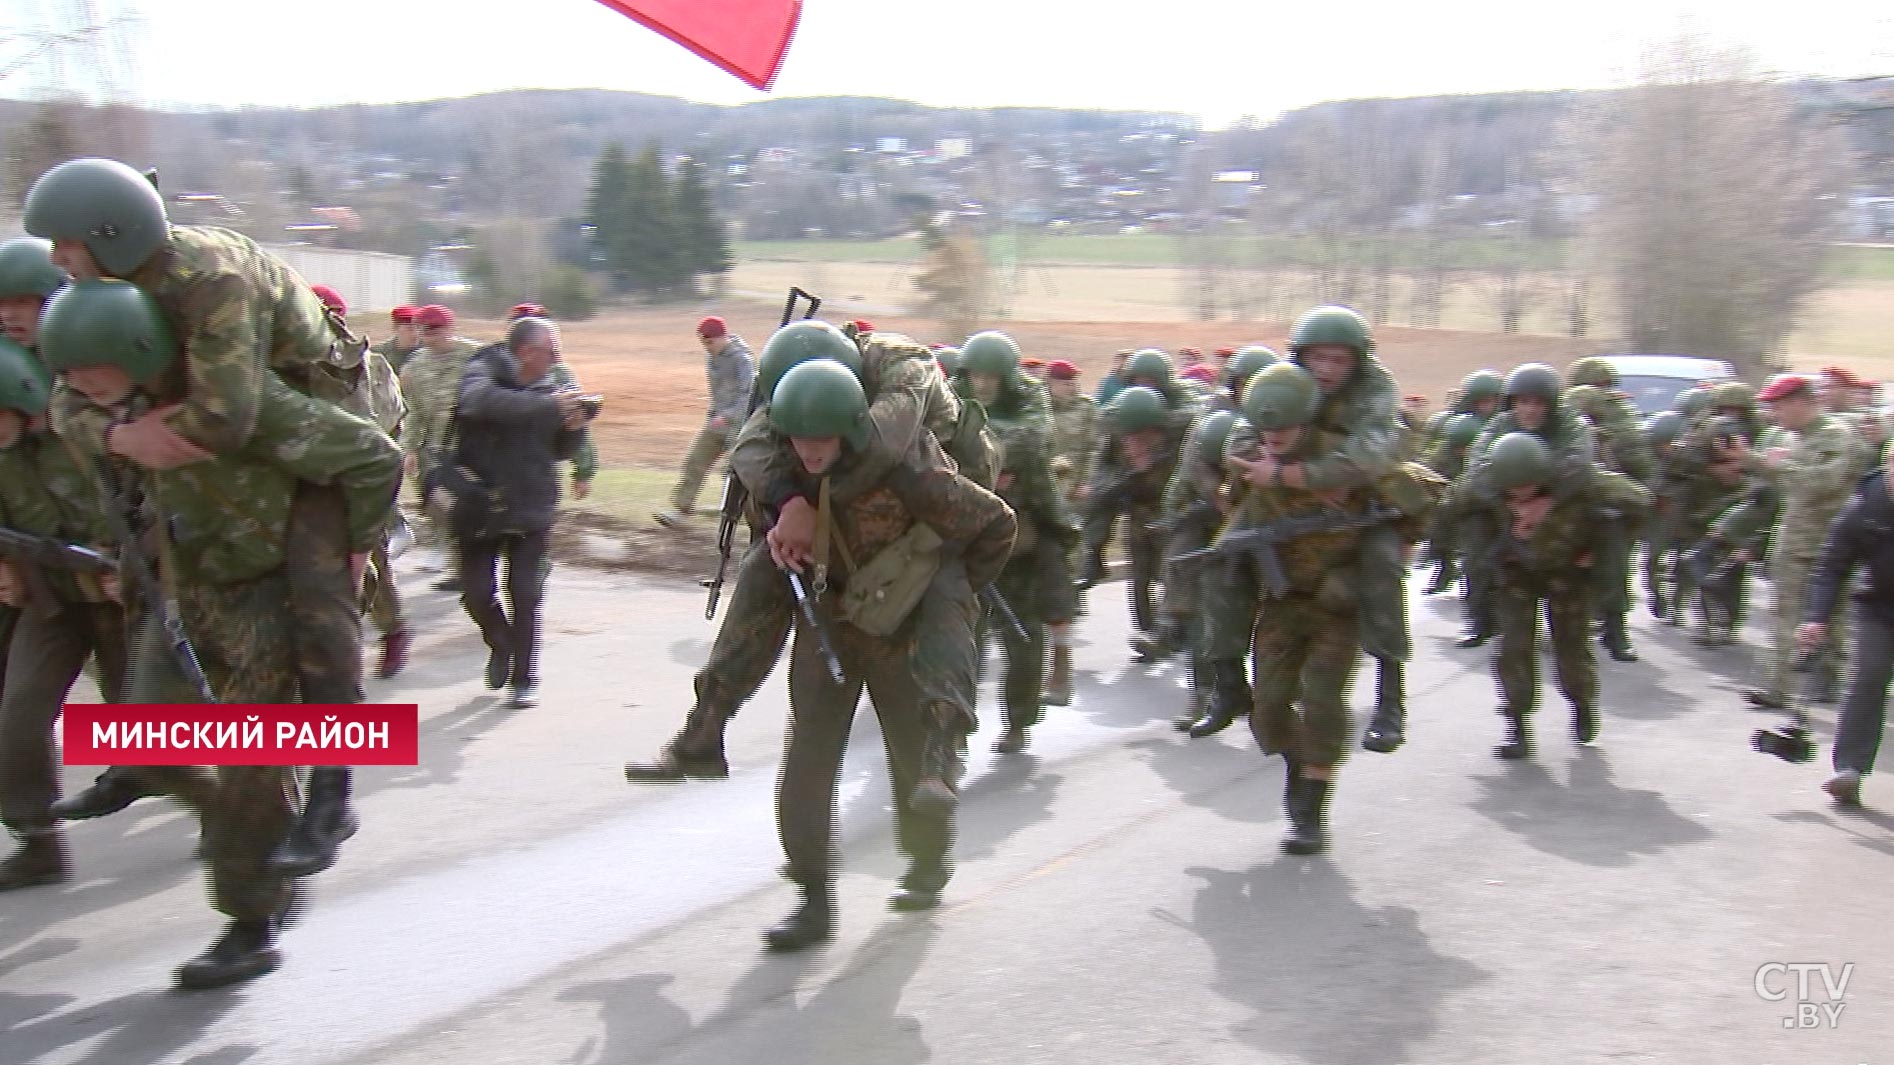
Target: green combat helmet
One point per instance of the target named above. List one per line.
(114, 210)
(1665, 428)
(24, 383)
(1733, 394)
(1463, 429)
(990, 353)
(1248, 362)
(26, 268)
(106, 323)
(1331, 325)
(1136, 409)
(1283, 396)
(1692, 401)
(1592, 370)
(949, 360)
(821, 398)
(1590, 400)
(800, 342)
(1150, 363)
(1518, 460)
(1482, 384)
(1534, 379)
(1212, 435)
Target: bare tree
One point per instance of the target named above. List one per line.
(1711, 208)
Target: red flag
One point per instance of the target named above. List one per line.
(748, 38)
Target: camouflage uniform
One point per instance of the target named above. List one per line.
(1074, 430)
(396, 356)
(1192, 502)
(912, 416)
(1621, 448)
(224, 546)
(44, 492)
(1115, 489)
(1814, 482)
(1569, 437)
(962, 513)
(1036, 581)
(430, 384)
(1549, 570)
(732, 376)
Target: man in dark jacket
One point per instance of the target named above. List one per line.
(1862, 536)
(514, 426)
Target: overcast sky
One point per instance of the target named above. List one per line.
(1218, 59)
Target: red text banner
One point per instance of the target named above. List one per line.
(241, 734)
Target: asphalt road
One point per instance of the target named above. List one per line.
(1120, 897)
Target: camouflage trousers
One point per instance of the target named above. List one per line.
(381, 599)
(1232, 596)
(1567, 601)
(1381, 584)
(1306, 653)
(1788, 583)
(1611, 591)
(1022, 685)
(323, 599)
(246, 643)
(943, 656)
(820, 715)
(709, 445)
(48, 650)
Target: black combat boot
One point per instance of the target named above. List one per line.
(1091, 571)
(328, 818)
(921, 885)
(1617, 638)
(40, 859)
(1387, 730)
(937, 793)
(1229, 698)
(812, 922)
(1518, 740)
(115, 789)
(1659, 608)
(1014, 739)
(696, 752)
(1585, 723)
(245, 951)
(1308, 812)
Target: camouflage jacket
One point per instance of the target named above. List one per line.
(585, 455)
(1619, 435)
(1026, 483)
(1814, 481)
(45, 492)
(1319, 564)
(238, 313)
(1196, 487)
(906, 395)
(974, 524)
(732, 376)
(1566, 434)
(431, 386)
(1361, 415)
(225, 518)
(396, 355)
(1074, 430)
(1569, 534)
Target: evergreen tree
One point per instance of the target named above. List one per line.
(650, 238)
(704, 245)
(605, 208)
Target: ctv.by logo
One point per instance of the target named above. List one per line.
(1776, 980)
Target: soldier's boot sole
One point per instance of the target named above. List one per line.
(1386, 733)
(1518, 743)
(1211, 723)
(672, 768)
(921, 887)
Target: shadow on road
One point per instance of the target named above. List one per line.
(853, 1016)
(137, 1029)
(1590, 819)
(1869, 828)
(1330, 981)
(1203, 772)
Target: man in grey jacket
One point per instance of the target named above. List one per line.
(732, 373)
(514, 425)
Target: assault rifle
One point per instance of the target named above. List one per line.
(35, 554)
(1259, 541)
(734, 494)
(806, 603)
(122, 505)
(997, 604)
